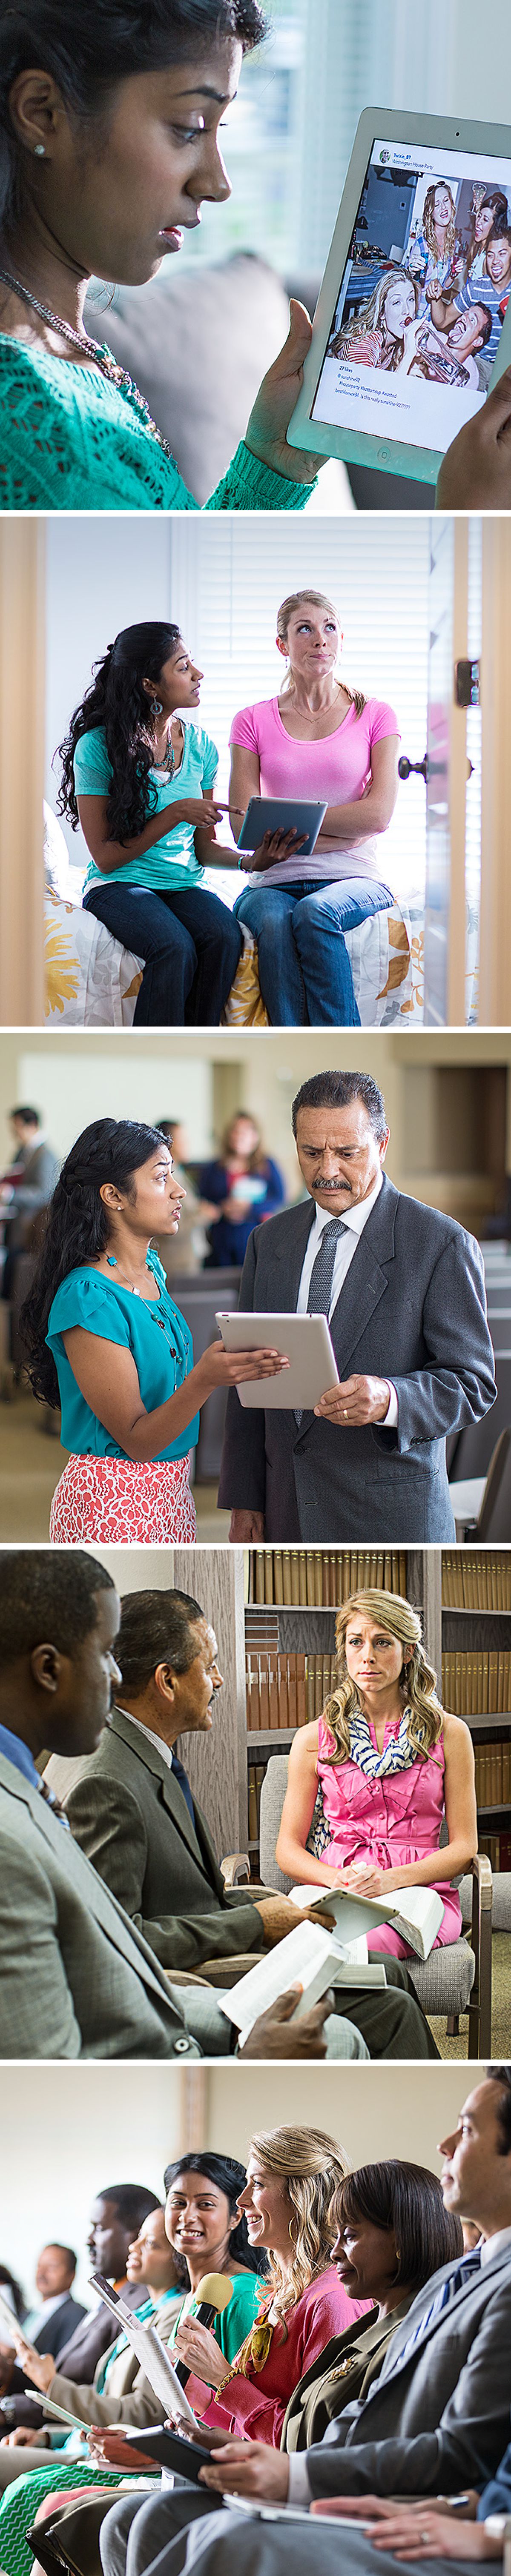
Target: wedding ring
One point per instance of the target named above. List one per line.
(345, 1412)
(424, 2535)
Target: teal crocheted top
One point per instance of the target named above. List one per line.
(70, 439)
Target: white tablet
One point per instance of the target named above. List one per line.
(282, 814)
(388, 380)
(305, 1339)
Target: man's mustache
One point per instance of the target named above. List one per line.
(340, 1184)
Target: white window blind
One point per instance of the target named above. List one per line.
(227, 580)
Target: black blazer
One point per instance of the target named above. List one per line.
(412, 1309)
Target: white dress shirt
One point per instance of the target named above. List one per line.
(165, 1749)
(354, 1219)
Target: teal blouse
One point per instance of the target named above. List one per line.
(70, 439)
(153, 1330)
(171, 862)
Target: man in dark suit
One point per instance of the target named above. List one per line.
(131, 1809)
(116, 2216)
(403, 1289)
(55, 2315)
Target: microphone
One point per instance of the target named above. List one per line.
(212, 2294)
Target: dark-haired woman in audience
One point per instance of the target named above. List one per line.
(109, 124)
(139, 775)
(103, 1339)
(247, 1187)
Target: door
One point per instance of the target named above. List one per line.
(451, 769)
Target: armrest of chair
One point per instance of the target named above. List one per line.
(235, 1869)
(479, 2019)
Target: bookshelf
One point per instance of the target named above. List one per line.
(290, 1637)
(476, 1675)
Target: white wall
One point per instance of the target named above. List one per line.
(116, 1085)
(72, 2129)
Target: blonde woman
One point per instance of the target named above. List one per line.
(377, 339)
(317, 738)
(390, 1765)
(292, 2177)
(434, 249)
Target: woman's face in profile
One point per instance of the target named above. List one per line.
(483, 223)
(399, 307)
(119, 194)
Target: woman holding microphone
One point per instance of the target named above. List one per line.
(104, 1340)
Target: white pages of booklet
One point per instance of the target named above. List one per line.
(153, 2358)
(308, 1956)
(415, 1912)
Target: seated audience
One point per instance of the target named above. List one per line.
(391, 1768)
(133, 1813)
(320, 739)
(441, 2399)
(245, 1187)
(78, 1980)
(116, 2214)
(25, 1189)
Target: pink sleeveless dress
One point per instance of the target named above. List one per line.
(388, 1822)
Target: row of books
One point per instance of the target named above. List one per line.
(493, 1774)
(479, 1684)
(498, 1850)
(471, 1582)
(320, 1578)
(286, 1690)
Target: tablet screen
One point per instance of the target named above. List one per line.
(419, 313)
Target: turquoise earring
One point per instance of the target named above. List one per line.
(112, 1261)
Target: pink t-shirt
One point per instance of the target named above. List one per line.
(338, 769)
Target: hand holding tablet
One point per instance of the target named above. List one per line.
(407, 338)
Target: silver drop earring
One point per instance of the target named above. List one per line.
(158, 706)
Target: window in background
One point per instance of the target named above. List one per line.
(260, 142)
(225, 591)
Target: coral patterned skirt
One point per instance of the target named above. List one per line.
(124, 1502)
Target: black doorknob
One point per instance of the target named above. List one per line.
(414, 768)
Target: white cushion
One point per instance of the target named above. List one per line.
(198, 344)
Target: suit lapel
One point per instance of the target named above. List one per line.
(197, 1841)
(89, 1887)
(467, 2287)
(289, 1256)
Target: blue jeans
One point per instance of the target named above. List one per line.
(304, 968)
(190, 943)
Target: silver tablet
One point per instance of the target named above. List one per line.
(282, 814)
(413, 323)
(305, 1339)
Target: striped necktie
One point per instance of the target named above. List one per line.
(320, 1283)
(462, 2271)
(51, 1801)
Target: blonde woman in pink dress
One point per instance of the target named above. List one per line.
(390, 1764)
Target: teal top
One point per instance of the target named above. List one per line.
(71, 439)
(153, 1330)
(172, 861)
(236, 2320)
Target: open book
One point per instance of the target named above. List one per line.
(415, 1912)
(310, 1955)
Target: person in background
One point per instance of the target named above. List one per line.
(392, 1768)
(244, 1185)
(434, 248)
(26, 1187)
(53, 2319)
(489, 214)
(187, 1250)
(493, 287)
(320, 739)
(13, 2294)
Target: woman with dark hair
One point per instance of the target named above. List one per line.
(140, 781)
(246, 1186)
(490, 214)
(393, 2233)
(207, 2234)
(108, 144)
(390, 1765)
(129, 1402)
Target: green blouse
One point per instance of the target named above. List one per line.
(70, 439)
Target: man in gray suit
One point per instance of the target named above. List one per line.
(403, 1289)
(435, 2419)
(76, 1980)
(131, 1809)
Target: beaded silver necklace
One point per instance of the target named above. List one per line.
(100, 356)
